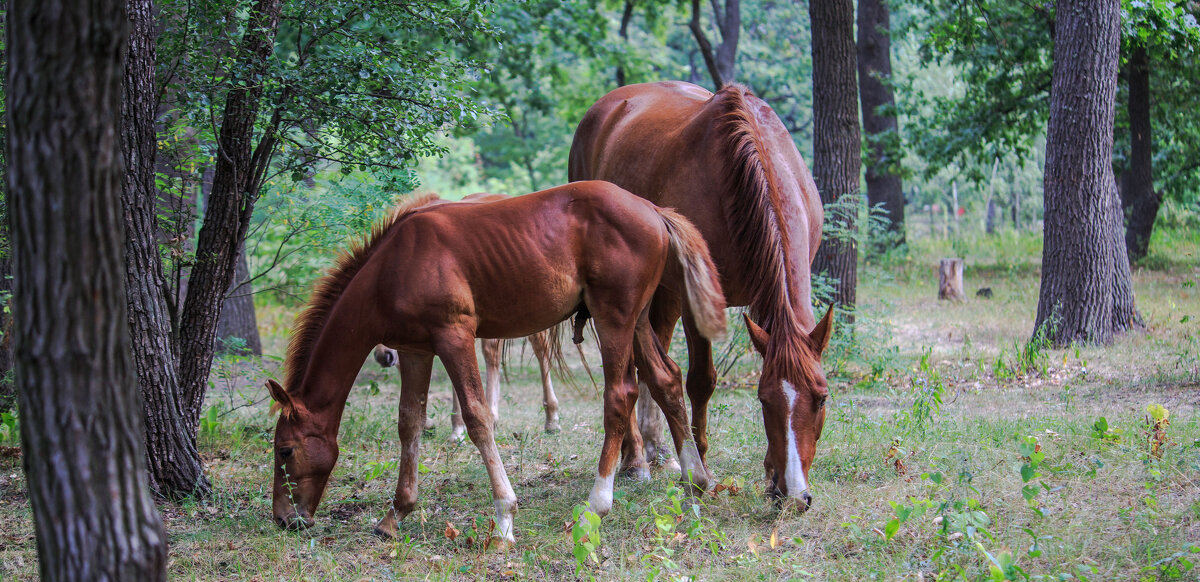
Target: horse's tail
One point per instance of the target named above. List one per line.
(704, 295)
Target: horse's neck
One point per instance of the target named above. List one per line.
(333, 365)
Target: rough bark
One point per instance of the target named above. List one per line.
(81, 422)
(884, 186)
(1138, 199)
(626, 17)
(722, 60)
(1086, 293)
(231, 203)
(237, 315)
(171, 454)
(950, 280)
(837, 142)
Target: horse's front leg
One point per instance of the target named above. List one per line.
(541, 350)
(414, 395)
(456, 348)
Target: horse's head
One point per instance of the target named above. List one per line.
(305, 453)
(792, 390)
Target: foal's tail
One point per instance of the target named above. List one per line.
(704, 295)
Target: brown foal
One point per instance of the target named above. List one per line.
(432, 279)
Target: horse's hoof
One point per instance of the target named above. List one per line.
(553, 428)
(386, 528)
(641, 473)
(499, 544)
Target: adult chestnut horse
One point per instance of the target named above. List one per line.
(727, 163)
(431, 280)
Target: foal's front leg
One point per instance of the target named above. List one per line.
(456, 348)
(414, 395)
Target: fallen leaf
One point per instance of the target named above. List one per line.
(451, 531)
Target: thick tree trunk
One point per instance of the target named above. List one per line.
(721, 61)
(171, 454)
(837, 142)
(238, 321)
(227, 217)
(1086, 293)
(81, 422)
(1138, 199)
(878, 117)
(626, 17)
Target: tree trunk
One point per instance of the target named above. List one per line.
(81, 422)
(238, 321)
(722, 61)
(837, 143)
(884, 187)
(227, 216)
(171, 454)
(626, 17)
(950, 280)
(1086, 293)
(1139, 200)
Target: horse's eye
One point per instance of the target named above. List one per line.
(285, 452)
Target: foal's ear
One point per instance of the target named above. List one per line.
(283, 400)
(820, 334)
(758, 336)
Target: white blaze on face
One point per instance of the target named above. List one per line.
(793, 477)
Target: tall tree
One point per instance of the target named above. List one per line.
(721, 61)
(1086, 292)
(884, 187)
(1139, 199)
(837, 142)
(81, 425)
(238, 324)
(171, 454)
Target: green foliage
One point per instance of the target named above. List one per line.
(9, 428)
(585, 533)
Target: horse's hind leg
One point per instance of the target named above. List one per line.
(662, 378)
(414, 392)
(493, 358)
(541, 349)
(664, 312)
(701, 380)
(456, 348)
(620, 396)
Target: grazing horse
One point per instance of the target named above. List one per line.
(493, 350)
(431, 280)
(727, 163)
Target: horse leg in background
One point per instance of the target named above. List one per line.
(387, 357)
(456, 348)
(493, 354)
(620, 396)
(701, 381)
(661, 376)
(541, 350)
(415, 370)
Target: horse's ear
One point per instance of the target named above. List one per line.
(820, 334)
(758, 336)
(283, 400)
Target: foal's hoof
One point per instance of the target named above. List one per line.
(553, 428)
(499, 544)
(387, 528)
(636, 473)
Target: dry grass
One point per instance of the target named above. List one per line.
(1108, 507)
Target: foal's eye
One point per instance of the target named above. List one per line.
(285, 452)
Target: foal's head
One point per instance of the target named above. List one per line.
(305, 453)
(792, 390)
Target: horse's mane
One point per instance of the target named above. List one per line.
(330, 287)
(755, 215)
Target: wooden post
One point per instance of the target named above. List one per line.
(950, 280)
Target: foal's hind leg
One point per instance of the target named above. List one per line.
(493, 358)
(456, 348)
(662, 378)
(541, 349)
(414, 394)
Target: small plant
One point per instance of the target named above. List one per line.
(585, 533)
(376, 469)
(1104, 434)
(1158, 419)
(904, 513)
(210, 421)
(1031, 452)
(9, 429)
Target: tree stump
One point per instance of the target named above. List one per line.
(950, 281)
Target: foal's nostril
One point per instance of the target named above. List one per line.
(807, 498)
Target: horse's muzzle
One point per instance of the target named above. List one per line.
(294, 522)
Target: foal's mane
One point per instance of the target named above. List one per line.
(755, 214)
(330, 287)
